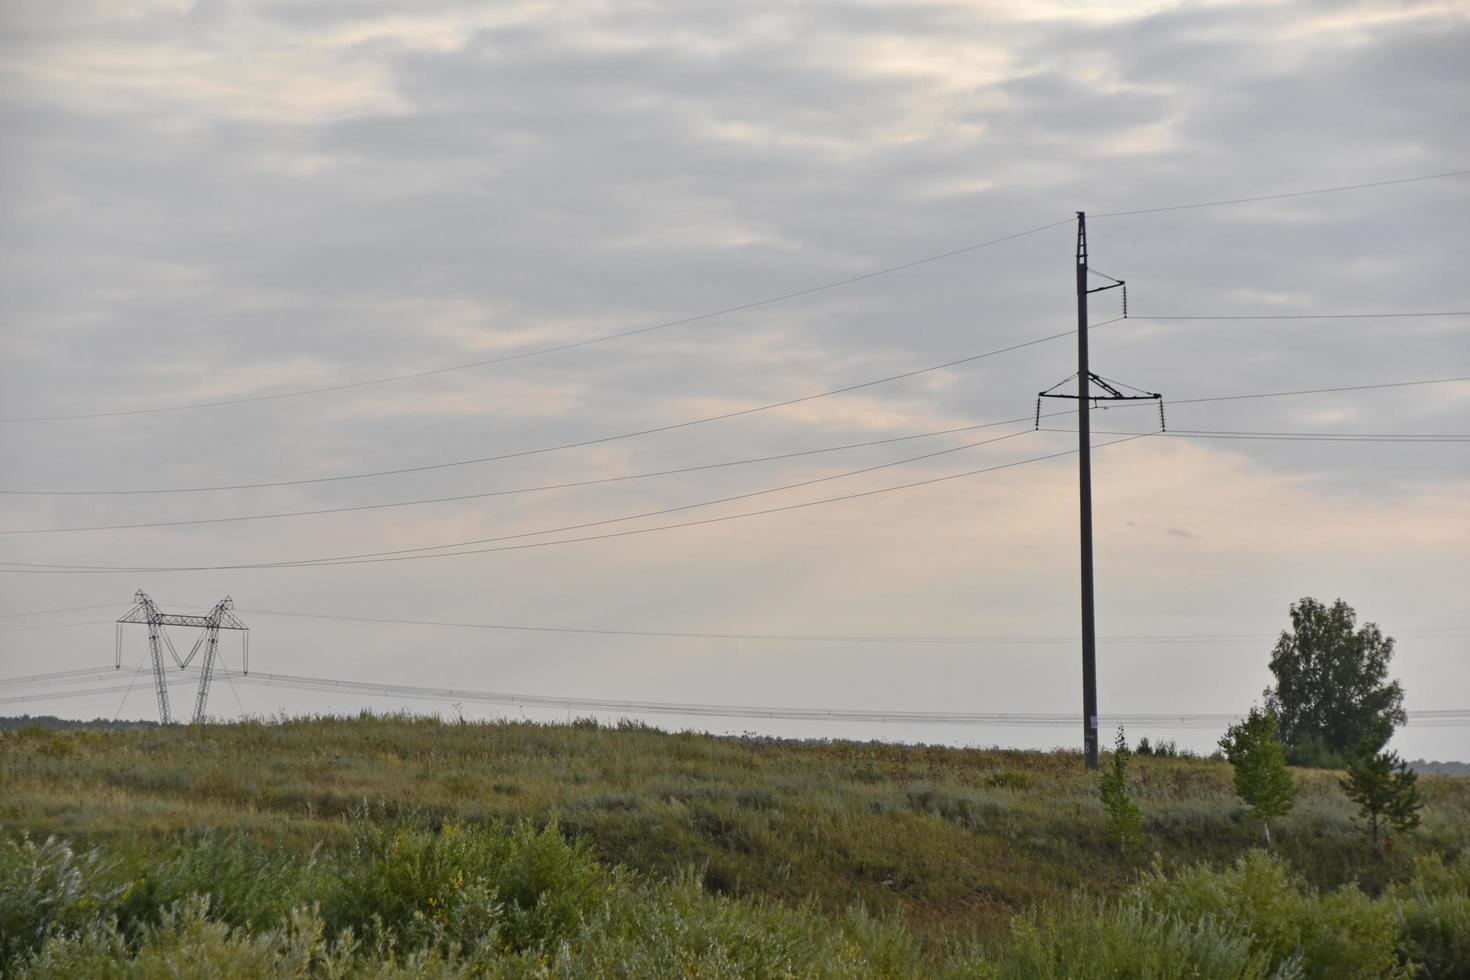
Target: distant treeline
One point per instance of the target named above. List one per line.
(1441, 768)
(17, 722)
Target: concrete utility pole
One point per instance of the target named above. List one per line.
(1084, 486)
(1090, 388)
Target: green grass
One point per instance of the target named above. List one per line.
(572, 848)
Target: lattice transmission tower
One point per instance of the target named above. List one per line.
(145, 612)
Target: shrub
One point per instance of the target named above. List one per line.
(46, 888)
(516, 889)
(1016, 779)
(1340, 935)
(1434, 917)
(248, 883)
(187, 942)
(1081, 940)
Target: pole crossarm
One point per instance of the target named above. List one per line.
(1110, 393)
(229, 621)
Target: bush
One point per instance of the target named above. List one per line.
(1337, 936)
(1081, 940)
(187, 942)
(1434, 918)
(517, 889)
(248, 884)
(44, 889)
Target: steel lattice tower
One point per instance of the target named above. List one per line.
(221, 617)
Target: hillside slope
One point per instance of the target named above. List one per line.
(952, 837)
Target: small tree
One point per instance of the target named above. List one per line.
(1331, 683)
(1124, 817)
(1261, 777)
(1386, 791)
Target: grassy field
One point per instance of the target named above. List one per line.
(856, 858)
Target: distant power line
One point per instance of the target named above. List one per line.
(1445, 717)
(537, 352)
(1295, 316)
(598, 481)
(1391, 437)
(1318, 391)
(520, 454)
(1281, 197)
(1161, 639)
(404, 555)
(1289, 393)
(48, 612)
(712, 314)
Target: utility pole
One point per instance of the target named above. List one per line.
(1086, 396)
(1084, 487)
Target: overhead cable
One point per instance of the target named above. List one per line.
(695, 709)
(39, 568)
(555, 348)
(519, 490)
(1281, 197)
(1296, 316)
(1350, 437)
(519, 454)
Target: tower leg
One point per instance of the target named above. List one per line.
(160, 681)
(206, 673)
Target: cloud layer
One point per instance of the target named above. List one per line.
(220, 200)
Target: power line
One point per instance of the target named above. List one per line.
(712, 418)
(1348, 437)
(556, 448)
(1444, 632)
(1317, 391)
(82, 673)
(571, 345)
(1282, 197)
(518, 490)
(47, 612)
(1154, 639)
(380, 557)
(754, 304)
(39, 568)
(1211, 719)
(66, 695)
(1296, 316)
(1431, 717)
(53, 626)
(1284, 394)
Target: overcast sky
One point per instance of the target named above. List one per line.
(213, 201)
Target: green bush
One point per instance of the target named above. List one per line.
(248, 883)
(1434, 918)
(187, 942)
(1337, 936)
(46, 888)
(516, 889)
(1081, 941)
